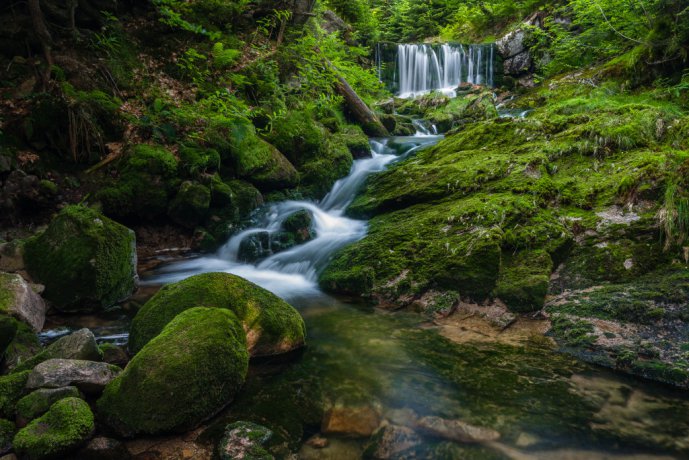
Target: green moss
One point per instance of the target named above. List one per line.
(318, 175)
(195, 160)
(11, 390)
(8, 330)
(356, 141)
(84, 259)
(186, 374)
(24, 345)
(7, 430)
(272, 325)
(573, 333)
(524, 279)
(151, 159)
(67, 425)
(190, 205)
(39, 402)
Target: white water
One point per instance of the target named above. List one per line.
(294, 272)
(423, 68)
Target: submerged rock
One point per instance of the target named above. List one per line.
(185, 375)
(391, 441)
(67, 425)
(351, 421)
(85, 260)
(78, 345)
(272, 325)
(245, 440)
(455, 430)
(102, 448)
(88, 376)
(18, 300)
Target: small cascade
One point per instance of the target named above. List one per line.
(421, 68)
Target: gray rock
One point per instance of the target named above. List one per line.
(78, 345)
(245, 440)
(88, 376)
(512, 43)
(455, 430)
(391, 441)
(23, 304)
(518, 64)
(102, 448)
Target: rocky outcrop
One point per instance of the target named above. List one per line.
(18, 300)
(88, 376)
(514, 48)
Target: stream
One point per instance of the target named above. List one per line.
(545, 405)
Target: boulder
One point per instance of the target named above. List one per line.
(390, 441)
(300, 226)
(8, 330)
(18, 300)
(7, 430)
(11, 391)
(39, 402)
(113, 354)
(88, 376)
(244, 440)
(66, 426)
(455, 430)
(185, 375)
(23, 346)
(515, 49)
(85, 260)
(190, 205)
(361, 421)
(272, 325)
(78, 345)
(102, 448)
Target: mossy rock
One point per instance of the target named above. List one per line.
(23, 346)
(8, 329)
(245, 440)
(64, 428)
(7, 429)
(300, 226)
(523, 281)
(39, 401)
(298, 136)
(85, 260)
(185, 375)
(356, 141)
(194, 160)
(272, 325)
(319, 174)
(190, 205)
(78, 345)
(144, 187)
(248, 196)
(11, 391)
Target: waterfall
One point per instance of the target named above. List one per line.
(421, 68)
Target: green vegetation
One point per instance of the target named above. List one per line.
(11, 390)
(200, 357)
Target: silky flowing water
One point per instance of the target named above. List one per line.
(544, 404)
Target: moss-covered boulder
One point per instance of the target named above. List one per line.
(523, 281)
(272, 325)
(11, 391)
(245, 440)
(77, 345)
(17, 299)
(147, 180)
(23, 346)
(8, 330)
(7, 429)
(86, 261)
(65, 427)
(190, 205)
(186, 374)
(39, 402)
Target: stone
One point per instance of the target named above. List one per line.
(300, 225)
(317, 441)
(455, 430)
(88, 376)
(77, 345)
(66, 426)
(245, 440)
(190, 205)
(39, 402)
(359, 421)
(23, 346)
(11, 391)
(102, 448)
(7, 430)
(85, 260)
(18, 300)
(272, 326)
(390, 441)
(185, 375)
(8, 330)
(113, 354)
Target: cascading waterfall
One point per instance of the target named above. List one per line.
(295, 271)
(421, 68)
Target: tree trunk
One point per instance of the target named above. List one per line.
(43, 34)
(360, 111)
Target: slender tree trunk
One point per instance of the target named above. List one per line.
(360, 111)
(43, 34)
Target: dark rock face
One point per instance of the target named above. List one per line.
(514, 48)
